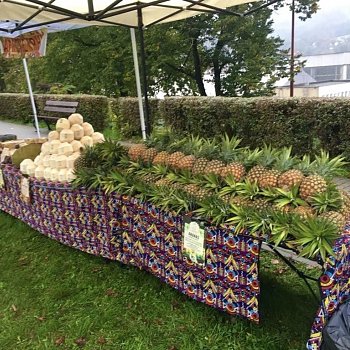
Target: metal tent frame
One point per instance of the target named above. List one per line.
(38, 13)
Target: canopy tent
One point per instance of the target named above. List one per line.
(18, 16)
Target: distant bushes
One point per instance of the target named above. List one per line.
(305, 123)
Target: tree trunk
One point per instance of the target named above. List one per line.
(198, 68)
(217, 67)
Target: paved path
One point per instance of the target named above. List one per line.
(22, 131)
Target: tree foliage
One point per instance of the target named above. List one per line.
(239, 55)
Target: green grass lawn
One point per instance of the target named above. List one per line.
(55, 297)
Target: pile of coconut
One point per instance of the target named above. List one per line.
(56, 159)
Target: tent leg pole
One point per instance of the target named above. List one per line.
(138, 82)
(144, 71)
(31, 96)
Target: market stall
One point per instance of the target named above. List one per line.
(209, 261)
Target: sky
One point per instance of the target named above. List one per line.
(329, 9)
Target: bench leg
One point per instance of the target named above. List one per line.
(48, 124)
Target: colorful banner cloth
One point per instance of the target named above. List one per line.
(32, 44)
(334, 286)
(135, 232)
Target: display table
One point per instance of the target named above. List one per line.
(134, 232)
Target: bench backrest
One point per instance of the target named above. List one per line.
(60, 106)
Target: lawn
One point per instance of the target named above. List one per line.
(55, 297)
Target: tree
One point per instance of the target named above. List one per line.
(239, 55)
(234, 53)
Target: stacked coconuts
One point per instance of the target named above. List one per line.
(56, 159)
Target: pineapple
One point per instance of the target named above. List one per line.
(148, 155)
(328, 168)
(268, 179)
(255, 173)
(303, 211)
(236, 169)
(89, 158)
(328, 200)
(241, 201)
(290, 178)
(311, 186)
(196, 191)
(261, 204)
(135, 151)
(186, 163)
(149, 178)
(345, 208)
(199, 166)
(281, 161)
(174, 159)
(336, 218)
(214, 167)
(160, 158)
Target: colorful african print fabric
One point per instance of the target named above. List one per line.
(334, 286)
(134, 232)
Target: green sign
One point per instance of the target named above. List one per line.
(194, 242)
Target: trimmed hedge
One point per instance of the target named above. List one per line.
(95, 109)
(126, 110)
(305, 123)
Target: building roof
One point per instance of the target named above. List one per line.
(302, 78)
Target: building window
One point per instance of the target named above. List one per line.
(325, 73)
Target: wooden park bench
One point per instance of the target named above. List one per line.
(64, 108)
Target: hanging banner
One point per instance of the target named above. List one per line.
(32, 44)
(194, 241)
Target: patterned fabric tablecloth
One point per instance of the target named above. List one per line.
(137, 233)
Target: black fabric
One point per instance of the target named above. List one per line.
(336, 334)
(7, 137)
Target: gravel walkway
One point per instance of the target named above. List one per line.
(22, 131)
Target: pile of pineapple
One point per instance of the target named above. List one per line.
(288, 200)
(59, 154)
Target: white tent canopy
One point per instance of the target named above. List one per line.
(107, 12)
(20, 16)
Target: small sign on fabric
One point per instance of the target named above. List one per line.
(25, 189)
(2, 182)
(194, 241)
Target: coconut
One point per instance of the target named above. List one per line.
(61, 162)
(76, 145)
(86, 141)
(71, 160)
(70, 175)
(47, 174)
(39, 172)
(88, 129)
(54, 146)
(46, 160)
(97, 137)
(53, 135)
(31, 169)
(78, 131)
(38, 160)
(25, 164)
(46, 148)
(76, 118)
(62, 175)
(53, 161)
(62, 124)
(54, 175)
(67, 135)
(65, 149)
